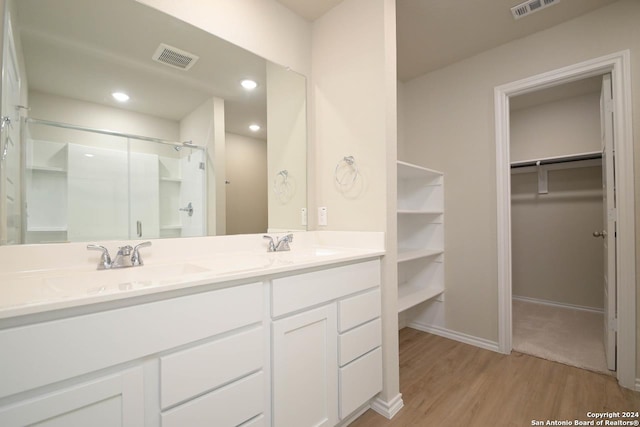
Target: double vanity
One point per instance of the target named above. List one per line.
(225, 334)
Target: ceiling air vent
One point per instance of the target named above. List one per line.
(528, 7)
(174, 57)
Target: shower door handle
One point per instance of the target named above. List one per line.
(139, 228)
(188, 209)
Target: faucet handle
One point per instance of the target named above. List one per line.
(272, 245)
(283, 243)
(136, 259)
(105, 259)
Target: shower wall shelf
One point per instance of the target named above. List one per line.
(420, 234)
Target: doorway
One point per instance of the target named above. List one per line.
(618, 65)
(556, 205)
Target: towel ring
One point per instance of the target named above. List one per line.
(349, 163)
(282, 186)
(280, 181)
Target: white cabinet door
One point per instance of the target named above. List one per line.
(305, 369)
(113, 401)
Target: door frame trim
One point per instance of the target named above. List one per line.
(618, 64)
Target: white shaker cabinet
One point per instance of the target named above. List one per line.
(185, 361)
(305, 369)
(326, 353)
(112, 401)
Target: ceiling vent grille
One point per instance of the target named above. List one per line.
(174, 57)
(528, 7)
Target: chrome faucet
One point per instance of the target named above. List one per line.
(127, 256)
(280, 244)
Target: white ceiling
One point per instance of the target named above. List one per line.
(310, 9)
(88, 49)
(435, 33)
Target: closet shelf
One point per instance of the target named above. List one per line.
(411, 254)
(410, 295)
(419, 212)
(411, 171)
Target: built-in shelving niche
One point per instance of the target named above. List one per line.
(420, 235)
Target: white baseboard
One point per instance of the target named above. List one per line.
(558, 304)
(637, 384)
(388, 409)
(456, 336)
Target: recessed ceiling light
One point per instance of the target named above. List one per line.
(120, 96)
(88, 155)
(249, 84)
(254, 128)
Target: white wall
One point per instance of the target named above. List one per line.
(566, 126)
(554, 255)
(264, 27)
(67, 110)
(287, 135)
(354, 114)
(450, 127)
(248, 188)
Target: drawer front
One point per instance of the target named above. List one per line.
(359, 341)
(357, 310)
(259, 421)
(229, 406)
(360, 381)
(197, 370)
(120, 335)
(294, 293)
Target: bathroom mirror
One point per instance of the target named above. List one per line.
(176, 159)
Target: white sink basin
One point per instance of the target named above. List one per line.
(39, 288)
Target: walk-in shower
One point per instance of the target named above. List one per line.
(84, 184)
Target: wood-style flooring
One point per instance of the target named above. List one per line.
(447, 383)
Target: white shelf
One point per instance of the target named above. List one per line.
(411, 254)
(52, 169)
(46, 229)
(419, 212)
(410, 295)
(410, 171)
(420, 234)
(171, 227)
(165, 179)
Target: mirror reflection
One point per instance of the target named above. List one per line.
(120, 122)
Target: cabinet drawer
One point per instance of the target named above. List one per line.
(294, 293)
(229, 406)
(358, 341)
(357, 310)
(360, 381)
(259, 421)
(120, 335)
(196, 370)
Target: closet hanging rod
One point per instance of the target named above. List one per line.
(555, 160)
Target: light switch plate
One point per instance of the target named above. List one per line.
(322, 215)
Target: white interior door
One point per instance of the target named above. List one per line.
(608, 233)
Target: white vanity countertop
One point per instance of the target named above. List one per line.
(202, 261)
